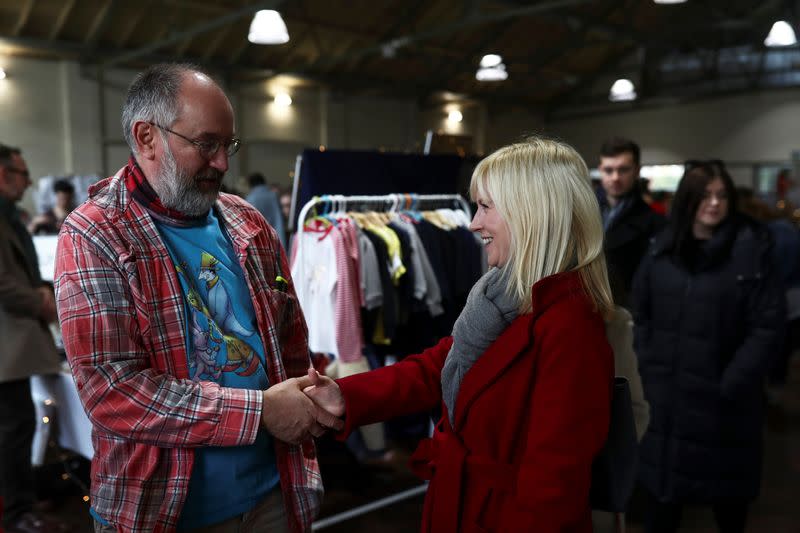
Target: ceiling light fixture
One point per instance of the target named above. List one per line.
(491, 68)
(669, 2)
(283, 100)
(455, 116)
(491, 60)
(622, 91)
(781, 34)
(268, 28)
(2, 73)
(497, 73)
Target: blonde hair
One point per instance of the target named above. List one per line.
(541, 189)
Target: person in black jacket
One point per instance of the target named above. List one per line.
(708, 313)
(628, 221)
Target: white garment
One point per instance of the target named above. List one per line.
(314, 274)
(456, 216)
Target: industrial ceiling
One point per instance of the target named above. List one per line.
(558, 53)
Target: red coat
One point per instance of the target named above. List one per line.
(530, 416)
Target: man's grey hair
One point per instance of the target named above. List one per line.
(153, 97)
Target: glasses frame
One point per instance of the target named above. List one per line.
(207, 149)
(23, 173)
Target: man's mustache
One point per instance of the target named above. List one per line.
(211, 174)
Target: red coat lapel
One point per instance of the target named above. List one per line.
(513, 341)
(500, 354)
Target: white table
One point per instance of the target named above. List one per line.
(57, 405)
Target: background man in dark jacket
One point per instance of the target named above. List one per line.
(266, 201)
(26, 306)
(628, 221)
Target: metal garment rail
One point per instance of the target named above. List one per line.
(369, 507)
(388, 202)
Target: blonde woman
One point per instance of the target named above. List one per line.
(525, 380)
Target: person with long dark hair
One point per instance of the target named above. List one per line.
(708, 313)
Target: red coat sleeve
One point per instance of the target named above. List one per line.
(567, 427)
(410, 386)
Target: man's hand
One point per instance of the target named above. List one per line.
(324, 391)
(48, 309)
(289, 415)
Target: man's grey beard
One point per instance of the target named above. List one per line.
(178, 190)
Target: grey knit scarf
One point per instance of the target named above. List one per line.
(487, 313)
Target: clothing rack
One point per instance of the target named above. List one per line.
(370, 172)
(389, 203)
(392, 201)
(386, 202)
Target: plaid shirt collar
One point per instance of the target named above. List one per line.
(144, 194)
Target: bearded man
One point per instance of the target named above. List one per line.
(196, 425)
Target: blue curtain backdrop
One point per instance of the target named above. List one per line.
(353, 172)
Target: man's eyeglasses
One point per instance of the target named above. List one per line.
(207, 149)
(23, 173)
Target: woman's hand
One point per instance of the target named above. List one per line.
(324, 392)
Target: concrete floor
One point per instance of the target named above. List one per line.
(349, 485)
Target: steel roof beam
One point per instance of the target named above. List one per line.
(200, 29)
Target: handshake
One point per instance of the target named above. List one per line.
(300, 408)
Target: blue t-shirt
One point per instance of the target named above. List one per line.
(224, 346)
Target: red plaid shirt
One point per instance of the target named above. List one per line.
(122, 314)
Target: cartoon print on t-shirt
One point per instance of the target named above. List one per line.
(215, 326)
(218, 300)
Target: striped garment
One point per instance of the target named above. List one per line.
(349, 332)
(122, 315)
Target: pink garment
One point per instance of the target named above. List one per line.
(349, 333)
(351, 244)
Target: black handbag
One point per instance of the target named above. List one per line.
(614, 469)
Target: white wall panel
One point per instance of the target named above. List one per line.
(51, 110)
(754, 127)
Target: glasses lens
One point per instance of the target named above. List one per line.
(208, 149)
(233, 147)
(23, 173)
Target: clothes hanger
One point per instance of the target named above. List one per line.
(318, 221)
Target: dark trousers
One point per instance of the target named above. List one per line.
(666, 517)
(17, 426)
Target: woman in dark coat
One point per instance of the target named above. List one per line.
(708, 313)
